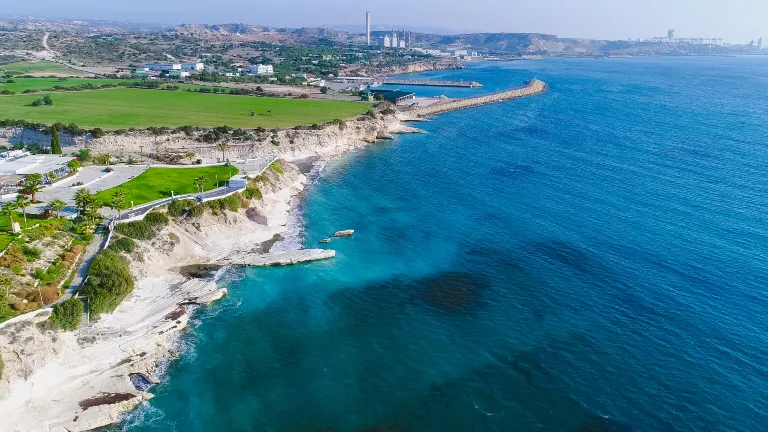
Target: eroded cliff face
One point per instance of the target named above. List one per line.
(289, 144)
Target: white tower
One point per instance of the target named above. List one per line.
(368, 26)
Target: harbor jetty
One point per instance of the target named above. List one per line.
(415, 113)
(431, 83)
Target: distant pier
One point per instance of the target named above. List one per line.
(534, 87)
(431, 83)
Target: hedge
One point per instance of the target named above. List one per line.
(109, 282)
(157, 219)
(178, 207)
(123, 244)
(67, 315)
(138, 230)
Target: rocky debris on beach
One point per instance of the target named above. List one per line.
(345, 233)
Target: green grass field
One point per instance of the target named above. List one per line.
(157, 183)
(124, 108)
(36, 66)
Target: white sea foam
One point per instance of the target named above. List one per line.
(293, 239)
(144, 414)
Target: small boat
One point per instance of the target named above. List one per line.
(325, 240)
(345, 233)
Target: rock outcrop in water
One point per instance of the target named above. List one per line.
(278, 258)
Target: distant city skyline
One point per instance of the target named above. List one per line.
(737, 22)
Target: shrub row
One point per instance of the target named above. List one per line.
(178, 207)
(123, 244)
(157, 219)
(109, 282)
(138, 230)
(232, 203)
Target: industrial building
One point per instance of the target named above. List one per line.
(398, 39)
(178, 74)
(393, 96)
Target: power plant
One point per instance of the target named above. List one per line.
(399, 39)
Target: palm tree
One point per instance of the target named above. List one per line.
(222, 148)
(119, 201)
(33, 184)
(91, 213)
(200, 183)
(82, 198)
(57, 206)
(9, 209)
(22, 201)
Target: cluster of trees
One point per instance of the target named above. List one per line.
(47, 100)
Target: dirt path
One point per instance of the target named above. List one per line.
(48, 48)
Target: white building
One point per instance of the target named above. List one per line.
(261, 69)
(44, 164)
(174, 66)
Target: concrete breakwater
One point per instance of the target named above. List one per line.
(532, 88)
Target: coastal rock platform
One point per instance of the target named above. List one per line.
(278, 258)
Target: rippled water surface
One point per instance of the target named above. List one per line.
(591, 259)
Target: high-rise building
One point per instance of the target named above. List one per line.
(760, 44)
(368, 26)
(671, 34)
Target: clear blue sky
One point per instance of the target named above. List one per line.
(737, 21)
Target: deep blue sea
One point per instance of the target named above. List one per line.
(594, 258)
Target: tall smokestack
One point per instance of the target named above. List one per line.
(368, 26)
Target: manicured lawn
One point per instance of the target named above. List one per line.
(124, 108)
(37, 66)
(22, 84)
(157, 183)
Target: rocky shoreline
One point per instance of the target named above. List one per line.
(56, 381)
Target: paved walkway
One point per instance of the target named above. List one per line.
(80, 274)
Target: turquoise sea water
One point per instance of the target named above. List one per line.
(591, 259)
